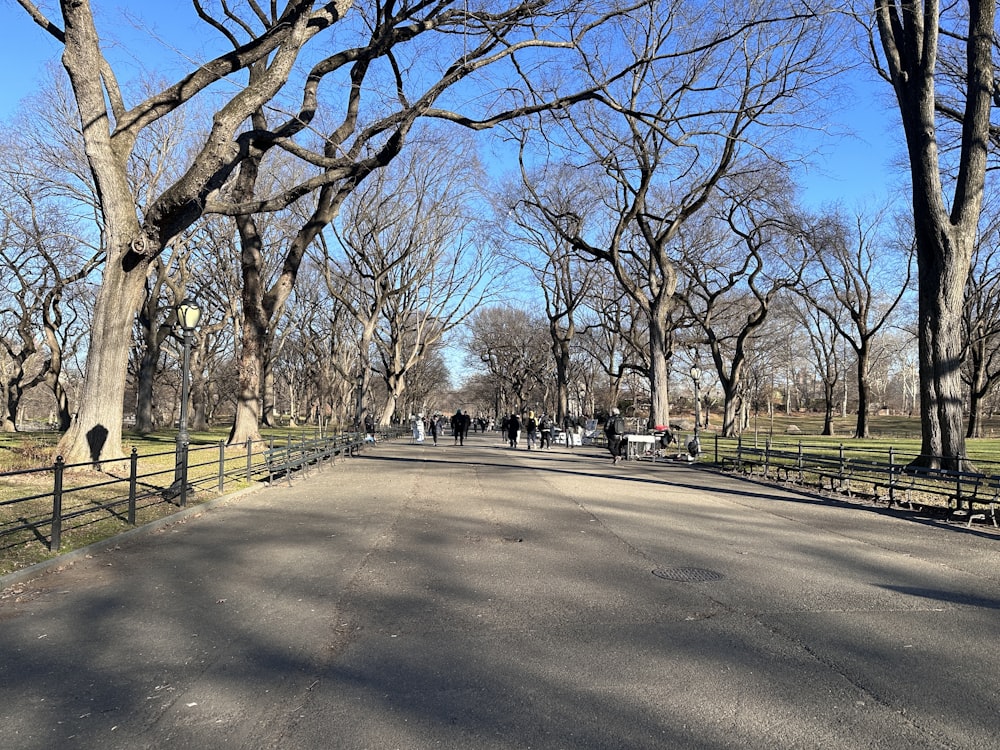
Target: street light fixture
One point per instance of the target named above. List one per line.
(695, 447)
(188, 317)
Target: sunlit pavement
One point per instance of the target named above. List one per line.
(481, 597)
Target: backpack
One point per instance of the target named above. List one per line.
(619, 425)
(543, 424)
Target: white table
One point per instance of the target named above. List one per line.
(639, 446)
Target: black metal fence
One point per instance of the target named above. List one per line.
(75, 496)
(879, 473)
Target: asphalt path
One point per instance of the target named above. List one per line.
(480, 597)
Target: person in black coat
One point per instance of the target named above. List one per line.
(614, 430)
(513, 430)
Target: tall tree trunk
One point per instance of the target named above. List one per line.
(145, 380)
(975, 428)
(828, 397)
(730, 409)
(270, 414)
(944, 235)
(659, 372)
(246, 423)
(250, 366)
(979, 388)
(65, 417)
(13, 404)
(96, 434)
(862, 429)
(942, 271)
(394, 387)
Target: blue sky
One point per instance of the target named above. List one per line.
(856, 169)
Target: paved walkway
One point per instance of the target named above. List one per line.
(478, 597)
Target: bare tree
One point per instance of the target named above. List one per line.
(408, 265)
(824, 342)
(564, 278)
(735, 265)
(705, 101)
(43, 259)
(513, 346)
(862, 275)
(911, 36)
(981, 324)
(270, 42)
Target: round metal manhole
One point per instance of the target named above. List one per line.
(688, 575)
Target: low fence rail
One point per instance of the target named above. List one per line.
(72, 497)
(881, 474)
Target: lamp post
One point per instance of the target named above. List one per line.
(188, 316)
(695, 448)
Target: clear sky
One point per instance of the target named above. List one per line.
(856, 169)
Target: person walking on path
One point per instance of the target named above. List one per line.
(569, 428)
(513, 430)
(614, 428)
(433, 427)
(545, 431)
(460, 424)
(531, 428)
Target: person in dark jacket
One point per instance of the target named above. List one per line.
(531, 429)
(545, 432)
(513, 430)
(614, 430)
(460, 424)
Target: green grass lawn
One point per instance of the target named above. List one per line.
(899, 433)
(86, 490)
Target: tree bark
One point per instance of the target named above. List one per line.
(96, 434)
(862, 428)
(944, 238)
(942, 270)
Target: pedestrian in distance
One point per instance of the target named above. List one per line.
(614, 428)
(433, 429)
(531, 429)
(464, 424)
(513, 430)
(545, 432)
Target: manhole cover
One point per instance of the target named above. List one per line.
(688, 575)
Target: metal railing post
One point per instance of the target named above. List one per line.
(959, 462)
(892, 476)
(55, 540)
(184, 474)
(133, 481)
(800, 463)
(222, 465)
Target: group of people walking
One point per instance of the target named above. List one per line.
(434, 426)
(537, 432)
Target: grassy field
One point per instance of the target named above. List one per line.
(900, 433)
